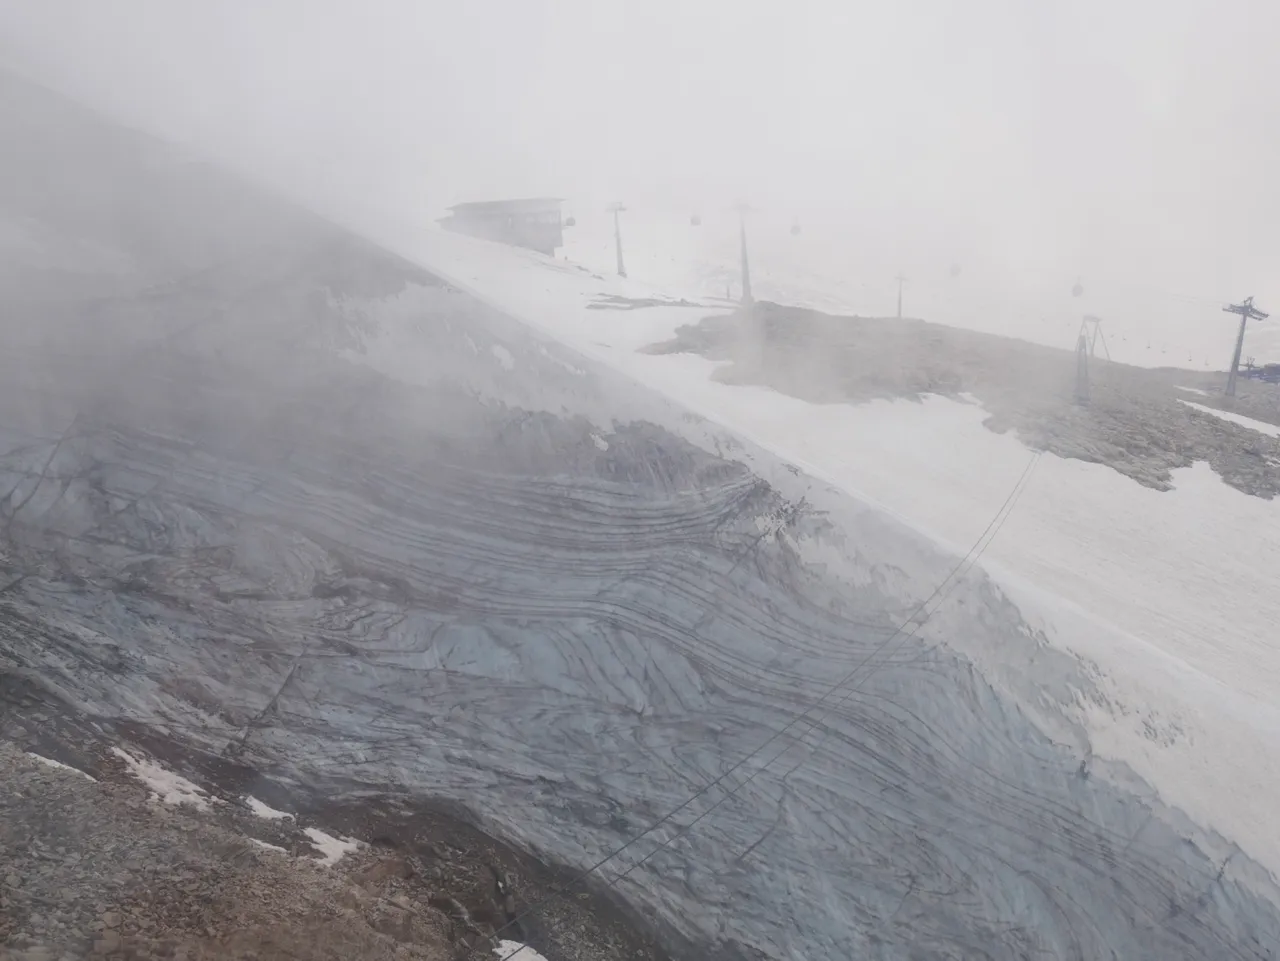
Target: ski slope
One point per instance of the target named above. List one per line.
(1168, 594)
(837, 268)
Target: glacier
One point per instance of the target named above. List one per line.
(512, 577)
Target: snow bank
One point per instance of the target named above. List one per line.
(265, 811)
(166, 787)
(332, 849)
(516, 951)
(504, 357)
(268, 847)
(49, 762)
(1262, 427)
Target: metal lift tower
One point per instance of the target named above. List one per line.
(1247, 312)
(1086, 347)
(616, 209)
(746, 266)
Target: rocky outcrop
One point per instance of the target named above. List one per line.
(97, 870)
(1134, 421)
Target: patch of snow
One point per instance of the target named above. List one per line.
(504, 357)
(1262, 427)
(576, 371)
(49, 762)
(600, 442)
(265, 810)
(516, 951)
(268, 847)
(166, 787)
(333, 849)
(1195, 390)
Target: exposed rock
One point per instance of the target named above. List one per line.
(1134, 421)
(375, 874)
(261, 905)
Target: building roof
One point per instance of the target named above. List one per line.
(509, 206)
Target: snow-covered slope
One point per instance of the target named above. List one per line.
(317, 514)
(1167, 595)
(841, 268)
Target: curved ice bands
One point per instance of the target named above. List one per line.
(572, 653)
(513, 588)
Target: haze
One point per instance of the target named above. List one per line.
(1128, 144)
(635, 617)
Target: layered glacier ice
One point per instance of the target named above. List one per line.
(524, 584)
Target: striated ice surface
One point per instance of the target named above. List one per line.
(532, 588)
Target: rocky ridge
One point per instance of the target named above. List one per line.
(1134, 421)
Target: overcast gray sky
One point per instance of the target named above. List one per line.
(1130, 137)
